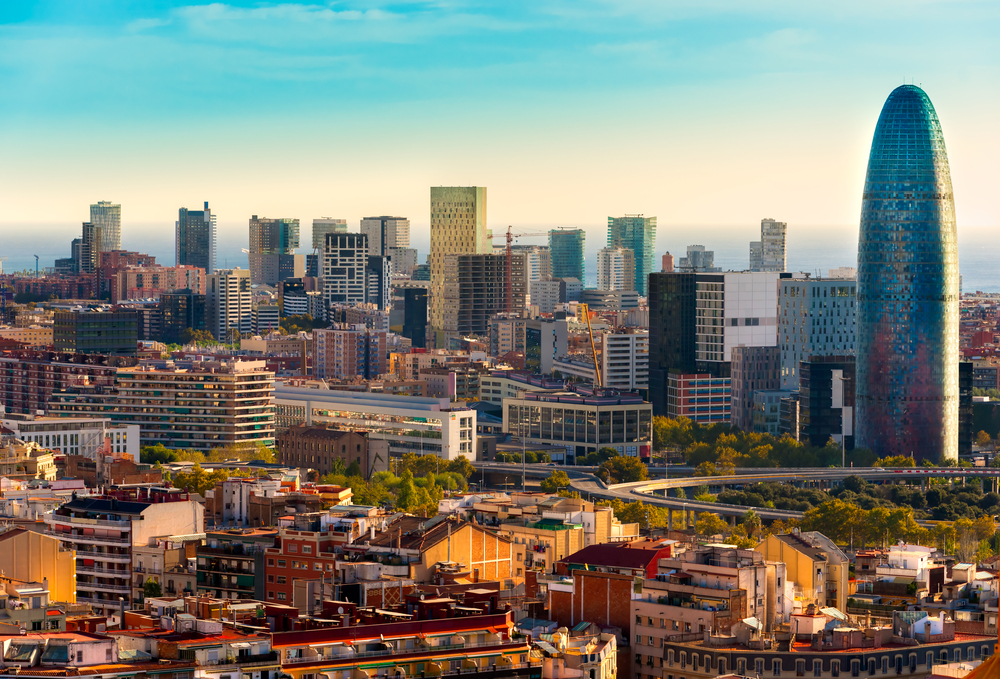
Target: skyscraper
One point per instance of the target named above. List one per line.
(907, 394)
(228, 304)
(390, 237)
(615, 269)
(195, 238)
(768, 254)
(638, 234)
(323, 226)
(458, 227)
(566, 247)
(272, 250)
(90, 248)
(344, 268)
(108, 217)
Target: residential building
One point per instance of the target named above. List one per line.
(458, 227)
(231, 563)
(816, 317)
(698, 259)
(581, 424)
(566, 247)
(345, 351)
(108, 217)
(170, 563)
(507, 333)
(114, 261)
(701, 397)
(89, 258)
(624, 361)
(238, 394)
(667, 263)
(424, 544)
(423, 425)
(317, 447)
(610, 299)
(94, 331)
(34, 337)
(31, 556)
(229, 304)
(547, 294)
(322, 226)
(345, 261)
(817, 569)
(581, 656)
(826, 400)
(903, 313)
(537, 261)
(574, 288)
(180, 310)
(502, 384)
(402, 261)
(152, 282)
(28, 378)
(196, 238)
(638, 234)
(753, 369)
(272, 250)
(408, 366)
(457, 383)
(26, 462)
(616, 269)
(672, 303)
(476, 290)
(768, 254)
(103, 532)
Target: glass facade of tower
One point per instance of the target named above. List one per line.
(907, 317)
(566, 246)
(638, 234)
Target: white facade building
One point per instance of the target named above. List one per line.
(768, 254)
(74, 435)
(108, 217)
(410, 424)
(547, 295)
(385, 233)
(816, 317)
(733, 309)
(344, 268)
(228, 303)
(615, 269)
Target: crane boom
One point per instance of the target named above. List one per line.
(508, 268)
(582, 308)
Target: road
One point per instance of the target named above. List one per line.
(583, 481)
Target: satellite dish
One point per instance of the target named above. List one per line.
(340, 610)
(421, 597)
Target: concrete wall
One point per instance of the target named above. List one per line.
(33, 557)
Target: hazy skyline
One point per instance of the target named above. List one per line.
(568, 111)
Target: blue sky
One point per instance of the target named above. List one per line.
(702, 112)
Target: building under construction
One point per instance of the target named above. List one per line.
(476, 289)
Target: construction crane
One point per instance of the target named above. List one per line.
(509, 282)
(581, 308)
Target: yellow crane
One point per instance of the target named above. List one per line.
(581, 308)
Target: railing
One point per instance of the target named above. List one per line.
(78, 521)
(103, 587)
(404, 651)
(270, 658)
(104, 555)
(107, 572)
(73, 537)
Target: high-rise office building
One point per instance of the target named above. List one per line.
(566, 251)
(228, 304)
(415, 316)
(458, 227)
(108, 217)
(89, 257)
(753, 369)
(272, 250)
(377, 286)
(768, 254)
(615, 269)
(638, 234)
(323, 226)
(195, 238)
(96, 332)
(344, 270)
(179, 310)
(816, 317)
(907, 358)
(385, 233)
(698, 259)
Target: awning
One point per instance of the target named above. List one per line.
(239, 644)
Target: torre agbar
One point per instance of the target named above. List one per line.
(907, 315)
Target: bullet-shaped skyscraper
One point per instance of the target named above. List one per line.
(907, 394)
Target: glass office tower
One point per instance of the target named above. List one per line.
(907, 318)
(566, 249)
(638, 234)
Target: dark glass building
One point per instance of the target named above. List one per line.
(566, 249)
(96, 332)
(672, 304)
(907, 315)
(826, 400)
(181, 309)
(415, 316)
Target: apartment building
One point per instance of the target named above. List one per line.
(95, 331)
(35, 337)
(754, 369)
(229, 304)
(616, 269)
(103, 532)
(231, 563)
(816, 567)
(74, 436)
(170, 563)
(150, 282)
(503, 384)
(624, 362)
(28, 378)
(226, 403)
(346, 351)
(816, 317)
(31, 556)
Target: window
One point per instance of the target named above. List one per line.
(741, 667)
(835, 668)
(282, 580)
(871, 666)
(79, 656)
(270, 578)
(293, 548)
(817, 668)
(270, 595)
(800, 668)
(722, 666)
(270, 562)
(281, 596)
(317, 566)
(107, 654)
(638, 638)
(885, 664)
(776, 667)
(307, 549)
(281, 563)
(638, 620)
(855, 668)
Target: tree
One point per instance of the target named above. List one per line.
(189, 335)
(707, 469)
(751, 521)
(557, 480)
(158, 454)
(982, 439)
(895, 461)
(710, 524)
(461, 465)
(151, 589)
(621, 469)
(353, 470)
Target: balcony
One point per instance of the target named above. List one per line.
(105, 572)
(80, 521)
(105, 556)
(103, 587)
(896, 572)
(88, 539)
(270, 658)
